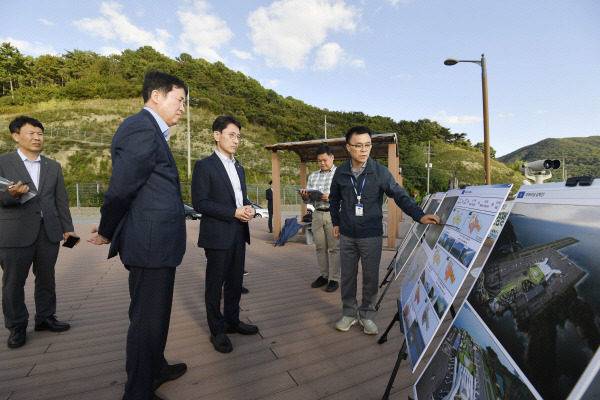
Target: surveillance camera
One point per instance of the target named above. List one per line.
(539, 170)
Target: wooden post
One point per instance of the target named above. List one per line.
(393, 210)
(275, 165)
(302, 185)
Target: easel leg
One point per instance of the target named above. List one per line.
(383, 337)
(401, 356)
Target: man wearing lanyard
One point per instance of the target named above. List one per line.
(328, 249)
(355, 200)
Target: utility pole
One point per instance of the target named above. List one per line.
(428, 164)
(189, 145)
(326, 126)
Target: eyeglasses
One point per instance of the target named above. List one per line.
(233, 136)
(366, 146)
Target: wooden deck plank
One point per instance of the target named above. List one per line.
(297, 354)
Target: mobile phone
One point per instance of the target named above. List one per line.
(71, 241)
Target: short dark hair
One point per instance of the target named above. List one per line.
(222, 121)
(17, 123)
(323, 149)
(357, 130)
(270, 182)
(161, 81)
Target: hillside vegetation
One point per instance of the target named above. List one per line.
(80, 95)
(581, 155)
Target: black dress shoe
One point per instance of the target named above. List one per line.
(51, 324)
(154, 397)
(242, 329)
(172, 372)
(320, 281)
(332, 286)
(17, 337)
(221, 343)
(245, 291)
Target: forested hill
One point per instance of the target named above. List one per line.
(581, 155)
(86, 92)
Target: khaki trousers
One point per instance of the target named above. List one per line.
(328, 247)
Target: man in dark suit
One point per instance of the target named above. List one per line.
(143, 220)
(269, 195)
(30, 230)
(219, 193)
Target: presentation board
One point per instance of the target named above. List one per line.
(538, 298)
(415, 233)
(442, 260)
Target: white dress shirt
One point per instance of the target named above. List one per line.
(33, 167)
(234, 178)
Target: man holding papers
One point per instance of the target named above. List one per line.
(31, 229)
(317, 194)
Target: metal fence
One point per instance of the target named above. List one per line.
(91, 194)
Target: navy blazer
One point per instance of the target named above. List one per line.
(143, 212)
(20, 223)
(213, 196)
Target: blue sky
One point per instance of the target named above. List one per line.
(381, 57)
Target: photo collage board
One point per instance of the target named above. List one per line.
(442, 260)
(415, 233)
(530, 327)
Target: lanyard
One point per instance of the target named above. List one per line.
(358, 196)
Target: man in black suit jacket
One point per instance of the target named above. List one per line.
(219, 193)
(30, 230)
(143, 220)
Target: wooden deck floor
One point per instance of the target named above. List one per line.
(298, 354)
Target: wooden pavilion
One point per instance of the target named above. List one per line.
(383, 146)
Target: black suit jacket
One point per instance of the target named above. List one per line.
(143, 212)
(213, 196)
(20, 223)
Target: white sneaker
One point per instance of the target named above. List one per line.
(345, 323)
(369, 325)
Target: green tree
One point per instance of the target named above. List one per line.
(12, 65)
(479, 146)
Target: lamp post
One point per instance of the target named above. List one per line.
(486, 124)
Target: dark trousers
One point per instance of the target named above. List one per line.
(225, 272)
(15, 262)
(270, 219)
(151, 292)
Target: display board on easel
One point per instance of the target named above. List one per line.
(442, 260)
(538, 302)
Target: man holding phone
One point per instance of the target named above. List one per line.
(32, 228)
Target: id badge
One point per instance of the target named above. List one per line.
(358, 210)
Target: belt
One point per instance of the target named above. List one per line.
(323, 209)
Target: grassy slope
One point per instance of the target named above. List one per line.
(84, 162)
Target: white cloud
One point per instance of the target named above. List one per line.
(30, 48)
(331, 54)
(108, 51)
(203, 33)
(271, 84)
(244, 55)
(46, 22)
(540, 112)
(402, 76)
(116, 25)
(443, 117)
(507, 115)
(396, 2)
(288, 30)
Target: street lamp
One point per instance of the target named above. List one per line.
(486, 124)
